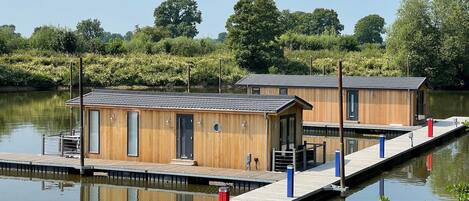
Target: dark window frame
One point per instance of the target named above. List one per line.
(257, 89)
(420, 102)
(138, 134)
(280, 91)
(349, 106)
(89, 131)
(287, 117)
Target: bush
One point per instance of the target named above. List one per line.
(293, 41)
(183, 46)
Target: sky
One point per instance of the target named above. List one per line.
(120, 16)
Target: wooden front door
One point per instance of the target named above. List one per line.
(185, 135)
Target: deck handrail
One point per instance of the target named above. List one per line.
(297, 157)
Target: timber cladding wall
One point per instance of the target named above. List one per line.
(375, 106)
(241, 133)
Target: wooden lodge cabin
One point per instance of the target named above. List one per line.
(215, 130)
(397, 101)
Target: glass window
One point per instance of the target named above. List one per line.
(132, 194)
(94, 193)
(283, 91)
(132, 133)
(287, 132)
(352, 146)
(94, 131)
(256, 91)
(420, 102)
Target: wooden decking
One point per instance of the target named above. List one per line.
(362, 126)
(140, 167)
(309, 183)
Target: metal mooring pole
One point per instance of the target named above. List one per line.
(82, 133)
(70, 97)
(341, 130)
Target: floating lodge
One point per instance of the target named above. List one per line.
(374, 101)
(236, 131)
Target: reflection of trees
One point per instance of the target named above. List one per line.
(46, 111)
(450, 165)
(455, 104)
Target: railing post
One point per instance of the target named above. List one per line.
(381, 146)
(224, 194)
(61, 145)
(294, 159)
(273, 160)
(290, 180)
(43, 144)
(337, 163)
(305, 159)
(324, 152)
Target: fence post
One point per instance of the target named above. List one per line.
(273, 160)
(294, 159)
(290, 181)
(337, 163)
(430, 127)
(381, 146)
(324, 152)
(43, 144)
(224, 194)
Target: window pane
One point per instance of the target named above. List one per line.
(283, 91)
(132, 194)
(94, 131)
(291, 132)
(132, 132)
(283, 133)
(94, 193)
(256, 90)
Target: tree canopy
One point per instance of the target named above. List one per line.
(369, 29)
(252, 33)
(319, 21)
(180, 17)
(432, 38)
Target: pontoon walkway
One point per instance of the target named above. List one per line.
(359, 165)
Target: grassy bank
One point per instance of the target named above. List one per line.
(40, 69)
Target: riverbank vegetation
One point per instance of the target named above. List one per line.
(429, 38)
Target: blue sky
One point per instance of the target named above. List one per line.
(121, 16)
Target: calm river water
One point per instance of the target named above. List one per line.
(25, 116)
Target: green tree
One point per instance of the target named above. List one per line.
(54, 39)
(90, 34)
(252, 33)
(318, 22)
(180, 17)
(115, 46)
(369, 29)
(432, 38)
(221, 37)
(10, 40)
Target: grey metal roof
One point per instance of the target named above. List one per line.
(358, 82)
(189, 101)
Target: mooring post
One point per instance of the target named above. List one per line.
(381, 188)
(273, 160)
(430, 127)
(82, 124)
(305, 159)
(381, 146)
(324, 152)
(224, 193)
(290, 180)
(337, 163)
(429, 162)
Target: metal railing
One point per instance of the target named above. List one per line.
(66, 144)
(305, 156)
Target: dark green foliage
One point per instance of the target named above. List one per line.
(115, 46)
(184, 46)
(107, 36)
(128, 36)
(433, 39)
(180, 17)
(294, 41)
(222, 37)
(21, 77)
(90, 35)
(289, 67)
(10, 40)
(320, 21)
(369, 29)
(252, 33)
(54, 39)
(460, 191)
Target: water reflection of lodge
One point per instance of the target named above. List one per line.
(108, 193)
(352, 144)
